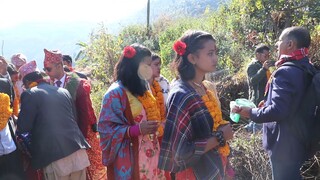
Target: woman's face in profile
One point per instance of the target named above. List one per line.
(145, 71)
(156, 65)
(207, 58)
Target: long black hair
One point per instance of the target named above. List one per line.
(194, 41)
(126, 70)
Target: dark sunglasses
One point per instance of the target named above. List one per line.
(47, 69)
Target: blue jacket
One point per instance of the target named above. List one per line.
(284, 97)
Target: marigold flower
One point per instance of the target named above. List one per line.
(212, 105)
(5, 110)
(154, 105)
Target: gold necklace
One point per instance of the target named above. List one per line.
(199, 88)
(197, 84)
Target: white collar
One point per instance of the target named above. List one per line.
(63, 79)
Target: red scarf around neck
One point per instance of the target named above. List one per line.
(294, 56)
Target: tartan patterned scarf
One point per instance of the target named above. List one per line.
(294, 56)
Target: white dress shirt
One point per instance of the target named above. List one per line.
(6, 142)
(63, 79)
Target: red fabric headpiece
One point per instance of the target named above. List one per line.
(52, 57)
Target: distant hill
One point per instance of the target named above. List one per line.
(172, 8)
(31, 38)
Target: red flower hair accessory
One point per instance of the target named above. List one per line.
(180, 47)
(129, 52)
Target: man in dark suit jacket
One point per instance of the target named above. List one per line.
(47, 114)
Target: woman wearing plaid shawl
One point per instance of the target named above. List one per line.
(190, 143)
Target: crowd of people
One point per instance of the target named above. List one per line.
(147, 128)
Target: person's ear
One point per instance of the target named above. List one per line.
(191, 58)
(292, 45)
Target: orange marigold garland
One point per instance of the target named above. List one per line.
(216, 114)
(149, 103)
(5, 110)
(33, 84)
(16, 101)
(157, 92)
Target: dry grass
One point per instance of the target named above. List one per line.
(248, 157)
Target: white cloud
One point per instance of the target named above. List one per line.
(20, 11)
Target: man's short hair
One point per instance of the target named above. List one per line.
(260, 48)
(67, 58)
(12, 69)
(300, 34)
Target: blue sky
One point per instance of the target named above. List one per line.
(15, 12)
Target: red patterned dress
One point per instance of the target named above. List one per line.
(80, 92)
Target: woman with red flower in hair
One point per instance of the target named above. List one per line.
(194, 145)
(129, 119)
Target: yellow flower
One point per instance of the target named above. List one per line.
(214, 109)
(5, 110)
(149, 103)
(154, 105)
(156, 90)
(33, 84)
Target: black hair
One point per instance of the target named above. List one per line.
(32, 77)
(155, 56)
(126, 70)
(66, 68)
(260, 48)
(300, 34)
(194, 41)
(12, 69)
(67, 58)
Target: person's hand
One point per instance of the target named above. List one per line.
(261, 104)
(227, 131)
(148, 127)
(235, 109)
(267, 64)
(245, 112)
